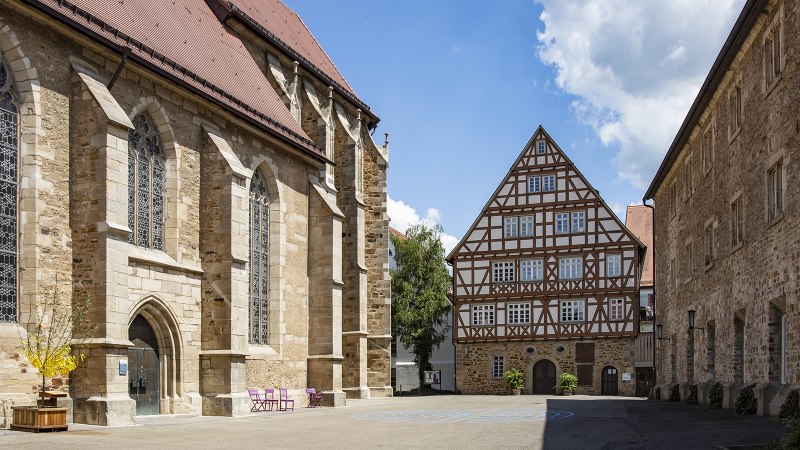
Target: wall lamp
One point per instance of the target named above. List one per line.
(692, 314)
(660, 333)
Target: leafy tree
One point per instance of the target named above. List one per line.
(419, 292)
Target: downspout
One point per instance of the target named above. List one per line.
(655, 304)
(121, 66)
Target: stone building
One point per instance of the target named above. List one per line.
(727, 246)
(546, 280)
(203, 175)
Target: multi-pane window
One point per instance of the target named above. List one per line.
(518, 313)
(775, 190)
(9, 157)
(146, 184)
(688, 263)
(530, 270)
(734, 111)
(503, 272)
(578, 221)
(616, 309)
(540, 147)
(737, 222)
(510, 227)
(773, 64)
(534, 184)
(259, 260)
(498, 367)
(482, 315)
(562, 223)
(526, 226)
(572, 310)
(570, 268)
(708, 244)
(708, 150)
(613, 265)
(548, 183)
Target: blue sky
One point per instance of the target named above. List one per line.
(461, 85)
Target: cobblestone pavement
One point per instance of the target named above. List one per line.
(463, 422)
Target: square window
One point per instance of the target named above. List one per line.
(526, 226)
(510, 227)
(572, 311)
(775, 190)
(613, 265)
(534, 184)
(530, 270)
(578, 221)
(482, 315)
(503, 272)
(562, 223)
(519, 313)
(570, 268)
(498, 367)
(548, 183)
(616, 309)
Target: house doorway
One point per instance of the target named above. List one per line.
(644, 381)
(609, 382)
(144, 367)
(544, 377)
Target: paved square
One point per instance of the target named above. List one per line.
(463, 421)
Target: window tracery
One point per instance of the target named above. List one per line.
(9, 151)
(146, 184)
(259, 261)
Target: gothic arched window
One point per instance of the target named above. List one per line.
(9, 120)
(146, 181)
(259, 261)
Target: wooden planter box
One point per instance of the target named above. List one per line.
(32, 418)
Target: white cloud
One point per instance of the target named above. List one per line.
(635, 67)
(402, 216)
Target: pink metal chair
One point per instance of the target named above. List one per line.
(258, 401)
(284, 400)
(269, 399)
(314, 399)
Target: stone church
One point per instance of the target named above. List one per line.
(203, 175)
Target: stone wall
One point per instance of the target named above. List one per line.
(741, 295)
(474, 364)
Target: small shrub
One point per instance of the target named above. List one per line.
(715, 396)
(790, 409)
(792, 439)
(569, 382)
(746, 403)
(514, 378)
(675, 393)
(692, 399)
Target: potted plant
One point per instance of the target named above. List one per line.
(568, 383)
(48, 347)
(515, 380)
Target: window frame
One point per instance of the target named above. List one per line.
(617, 305)
(571, 261)
(533, 270)
(498, 367)
(520, 312)
(259, 329)
(568, 306)
(776, 191)
(609, 265)
(737, 223)
(735, 110)
(541, 147)
(572, 217)
(525, 230)
(534, 184)
(688, 261)
(503, 267)
(708, 244)
(772, 47)
(140, 152)
(12, 239)
(483, 315)
(552, 185)
(707, 145)
(512, 231)
(561, 222)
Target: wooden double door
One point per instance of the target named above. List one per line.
(544, 378)
(609, 381)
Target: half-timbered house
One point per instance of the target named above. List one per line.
(546, 281)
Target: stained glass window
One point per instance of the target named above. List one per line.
(146, 183)
(259, 261)
(9, 121)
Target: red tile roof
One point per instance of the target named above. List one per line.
(396, 233)
(184, 41)
(639, 219)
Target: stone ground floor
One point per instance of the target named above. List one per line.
(603, 366)
(446, 421)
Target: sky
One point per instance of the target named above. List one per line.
(461, 85)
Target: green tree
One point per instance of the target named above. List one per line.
(419, 292)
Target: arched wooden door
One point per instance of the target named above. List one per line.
(609, 381)
(544, 377)
(143, 368)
